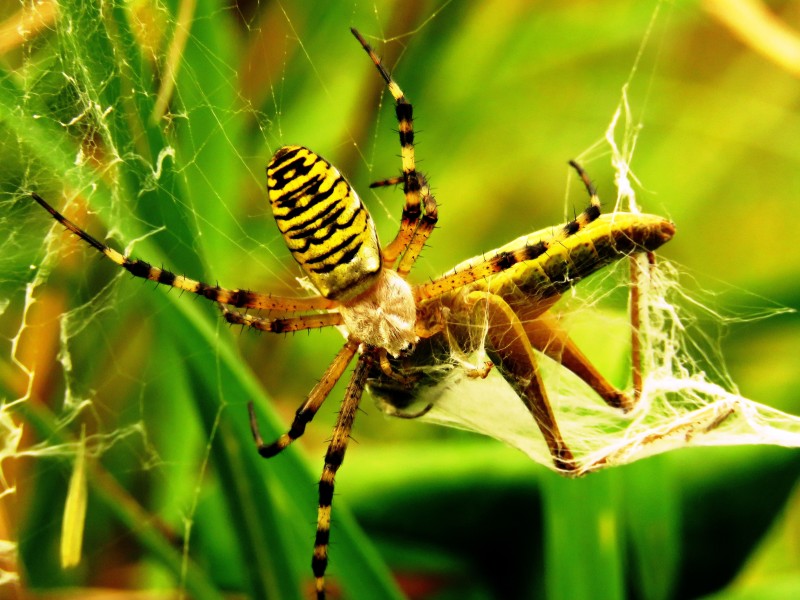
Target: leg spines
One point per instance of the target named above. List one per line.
(386, 182)
(144, 270)
(309, 408)
(285, 325)
(70, 225)
(333, 460)
(424, 228)
(415, 226)
(377, 61)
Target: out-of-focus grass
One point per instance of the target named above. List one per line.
(504, 94)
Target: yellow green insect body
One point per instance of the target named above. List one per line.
(506, 315)
(543, 271)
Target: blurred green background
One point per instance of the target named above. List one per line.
(155, 122)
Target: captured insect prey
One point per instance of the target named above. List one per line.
(411, 342)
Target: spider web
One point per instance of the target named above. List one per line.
(687, 396)
(150, 128)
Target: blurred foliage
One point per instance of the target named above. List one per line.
(504, 94)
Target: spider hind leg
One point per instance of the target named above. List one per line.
(305, 413)
(333, 460)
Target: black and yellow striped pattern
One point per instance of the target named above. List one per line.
(415, 225)
(333, 460)
(324, 223)
(546, 263)
(233, 297)
(309, 408)
(332, 236)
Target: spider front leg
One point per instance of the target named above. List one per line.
(144, 270)
(414, 230)
(419, 212)
(281, 325)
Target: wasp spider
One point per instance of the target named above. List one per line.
(396, 328)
